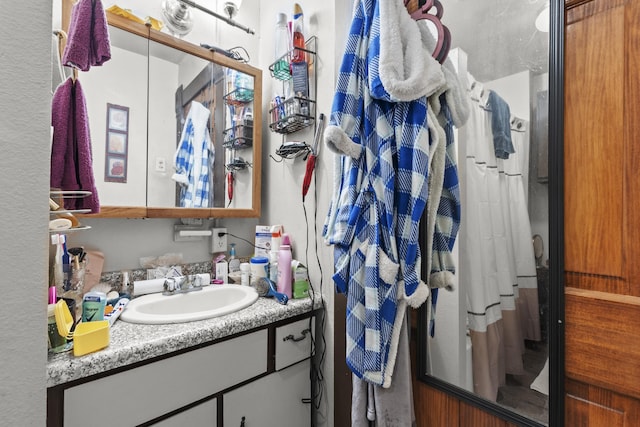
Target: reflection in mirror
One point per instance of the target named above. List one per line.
(189, 112)
(119, 151)
(489, 335)
(170, 129)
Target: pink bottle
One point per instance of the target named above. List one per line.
(284, 270)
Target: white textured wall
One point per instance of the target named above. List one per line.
(282, 200)
(24, 174)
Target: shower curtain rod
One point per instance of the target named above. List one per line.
(217, 15)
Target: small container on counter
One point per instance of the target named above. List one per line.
(259, 267)
(93, 304)
(57, 343)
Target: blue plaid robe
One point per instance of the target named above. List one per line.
(380, 195)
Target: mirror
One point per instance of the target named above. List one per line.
(143, 106)
(488, 340)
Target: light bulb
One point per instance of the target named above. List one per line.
(542, 21)
(177, 17)
(231, 7)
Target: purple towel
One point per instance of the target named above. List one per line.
(71, 158)
(88, 42)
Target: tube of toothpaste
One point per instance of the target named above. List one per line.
(117, 309)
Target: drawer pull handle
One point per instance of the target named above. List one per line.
(296, 339)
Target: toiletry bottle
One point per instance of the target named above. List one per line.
(273, 265)
(234, 263)
(283, 45)
(93, 304)
(125, 288)
(245, 273)
(284, 270)
(276, 237)
(298, 34)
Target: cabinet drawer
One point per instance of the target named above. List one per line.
(293, 342)
(277, 400)
(152, 390)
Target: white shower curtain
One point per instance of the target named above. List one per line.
(497, 267)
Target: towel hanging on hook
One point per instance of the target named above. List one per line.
(88, 41)
(62, 43)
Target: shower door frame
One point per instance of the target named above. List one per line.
(556, 254)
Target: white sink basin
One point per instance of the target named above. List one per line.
(211, 301)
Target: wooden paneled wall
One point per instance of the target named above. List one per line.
(602, 213)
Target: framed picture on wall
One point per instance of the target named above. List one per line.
(115, 169)
(117, 143)
(117, 117)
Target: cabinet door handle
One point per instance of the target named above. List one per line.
(296, 339)
(242, 422)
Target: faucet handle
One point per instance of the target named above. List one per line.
(169, 285)
(196, 280)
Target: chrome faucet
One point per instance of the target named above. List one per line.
(183, 284)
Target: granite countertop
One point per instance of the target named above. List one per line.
(131, 343)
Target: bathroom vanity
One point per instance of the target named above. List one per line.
(253, 365)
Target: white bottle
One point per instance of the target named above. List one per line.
(282, 47)
(245, 273)
(273, 266)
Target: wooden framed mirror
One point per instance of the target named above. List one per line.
(141, 104)
(461, 336)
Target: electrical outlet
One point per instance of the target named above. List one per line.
(161, 164)
(218, 242)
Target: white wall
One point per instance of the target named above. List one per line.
(282, 200)
(121, 81)
(515, 90)
(25, 90)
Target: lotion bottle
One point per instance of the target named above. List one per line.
(284, 270)
(298, 55)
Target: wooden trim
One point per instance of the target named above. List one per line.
(118, 212)
(596, 282)
(570, 4)
(589, 405)
(257, 148)
(595, 333)
(181, 45)
(341, 374)
(127, 25)
(67, 6)
(583, 9)
(632, 149)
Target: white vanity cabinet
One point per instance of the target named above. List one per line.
(282, 398)
(272, 401)
(263, 375)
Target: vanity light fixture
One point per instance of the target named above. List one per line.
(177, 17)
(179, 21)
(231, 7)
